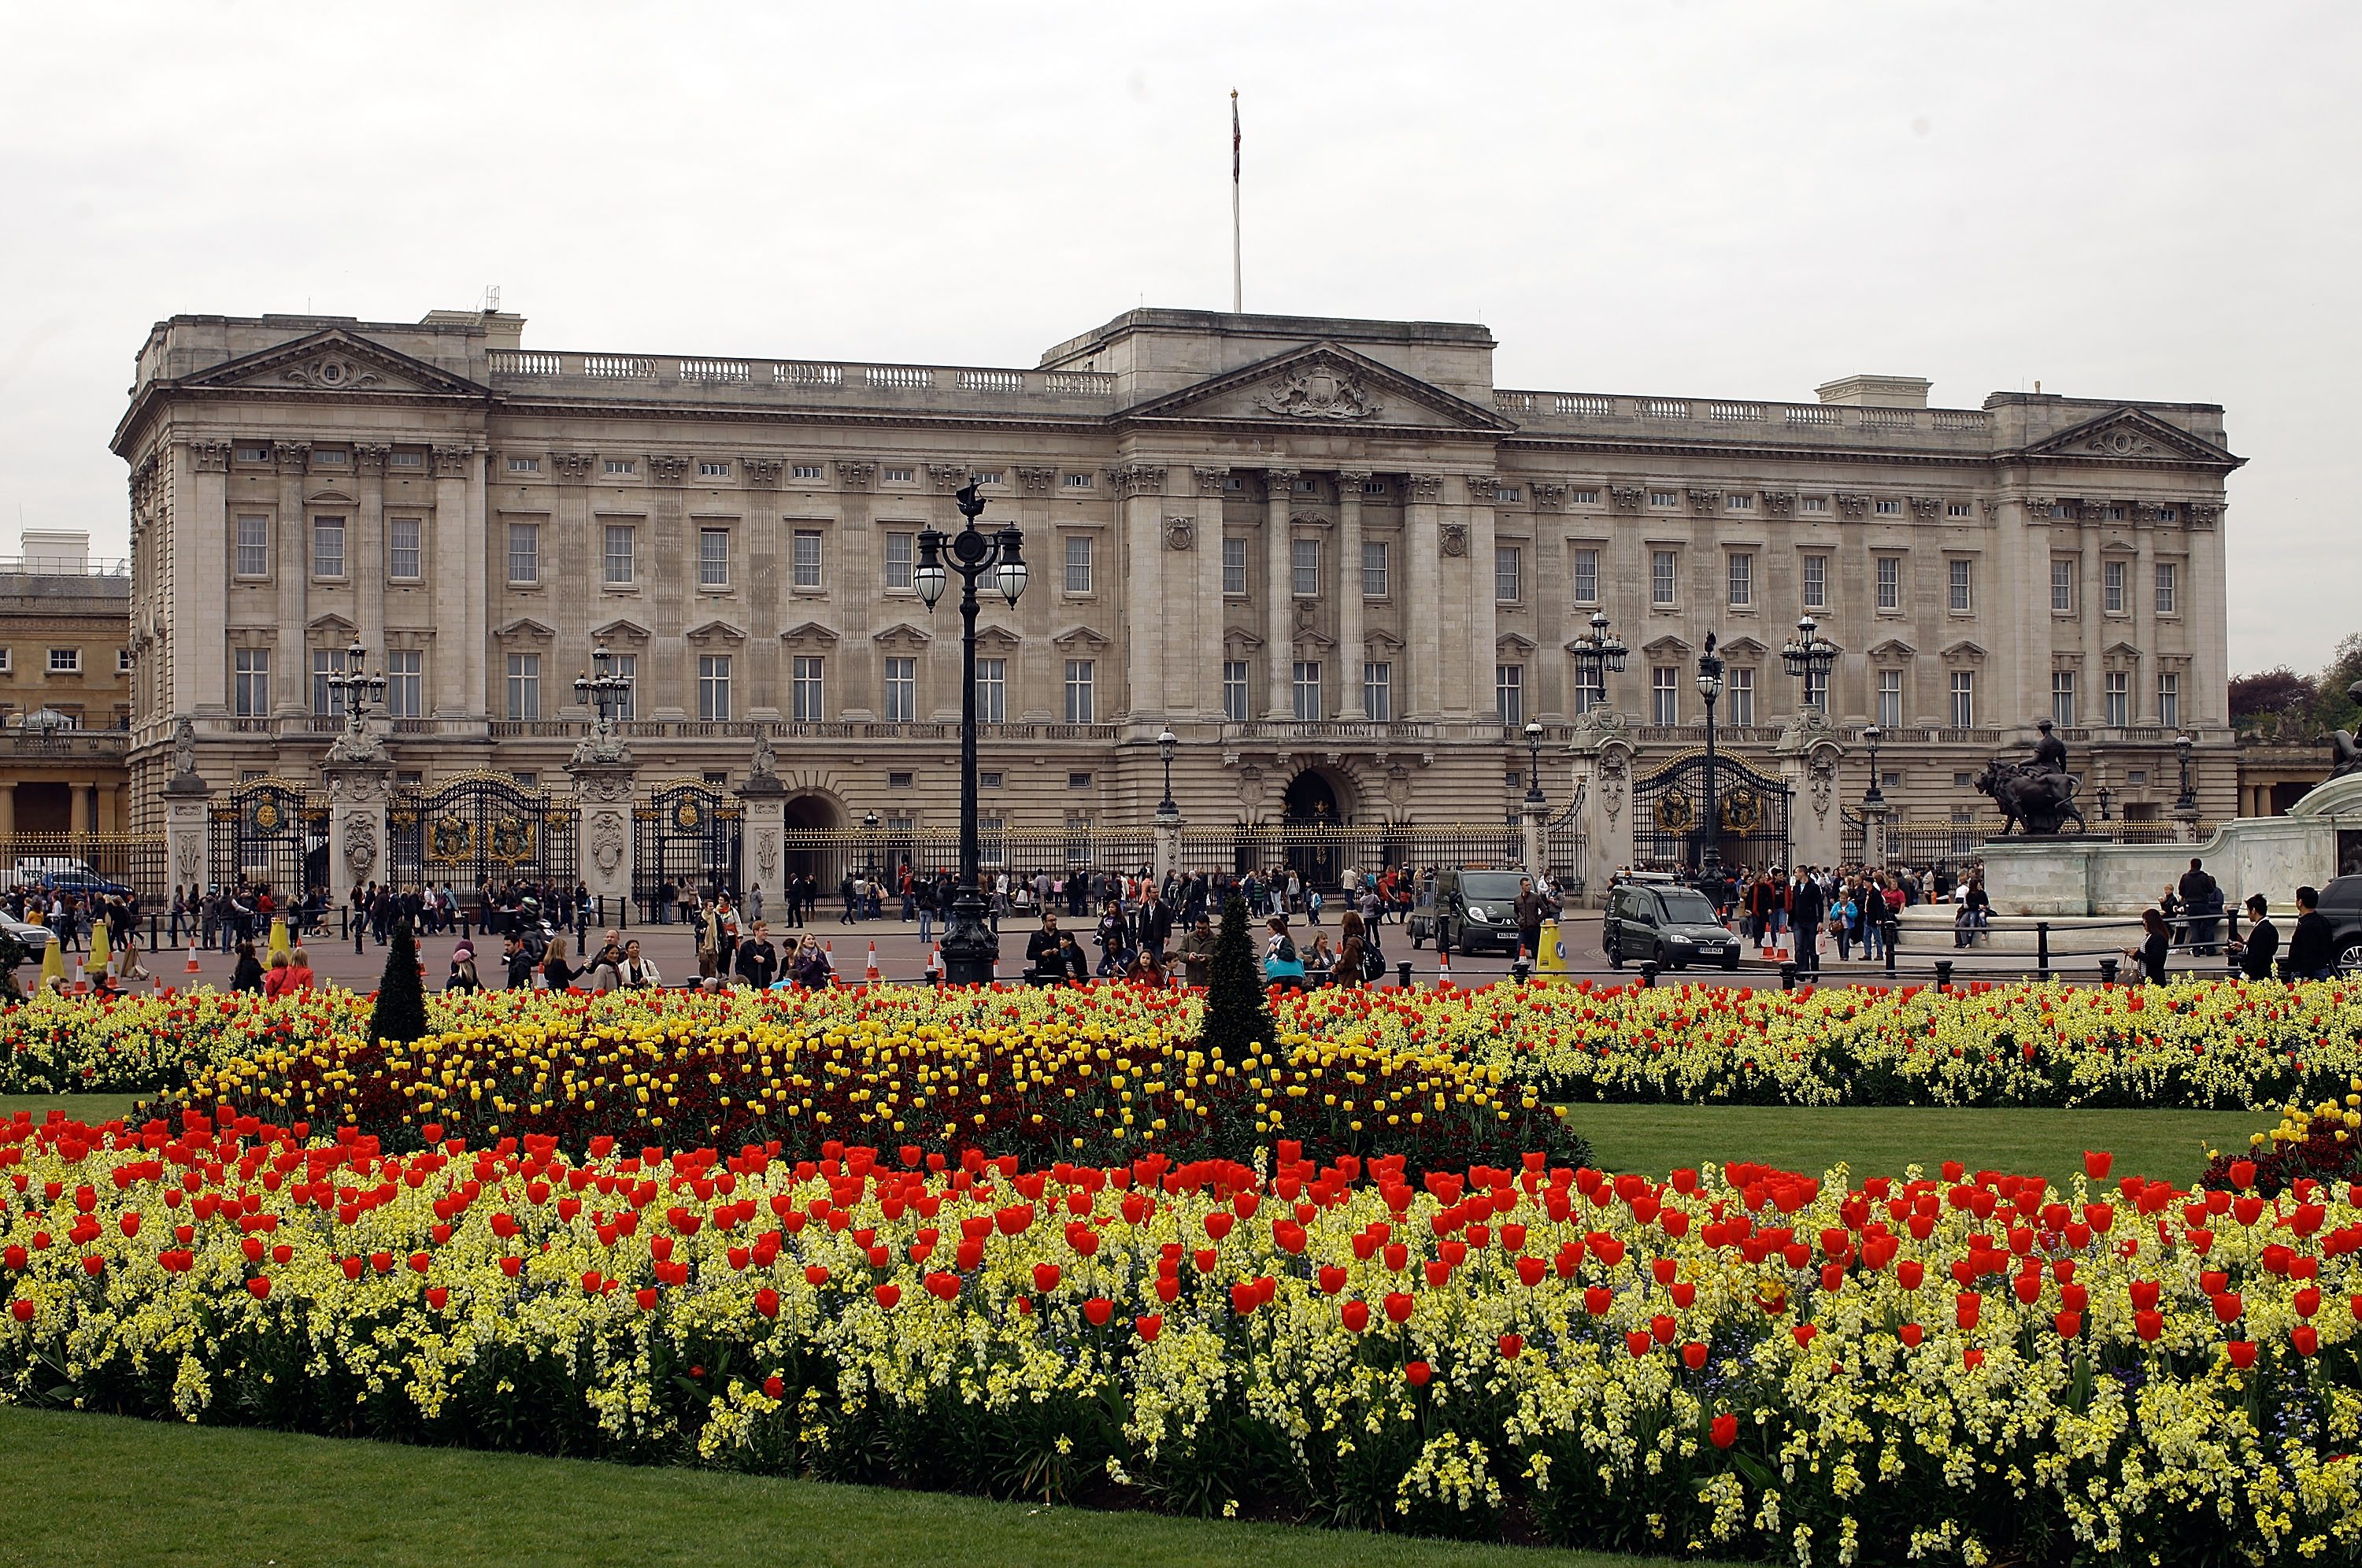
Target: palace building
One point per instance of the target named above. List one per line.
(1340, 564)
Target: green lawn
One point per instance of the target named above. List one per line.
(101, 1490)
(1654, 1139)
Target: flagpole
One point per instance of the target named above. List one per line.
(1238, 278)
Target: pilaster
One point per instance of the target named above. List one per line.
(1483, 621)
(766, 802)
(1423, 543)
(291, 683)
(1350, 619)
(1279, 633)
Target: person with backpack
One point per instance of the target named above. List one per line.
(1281, 965)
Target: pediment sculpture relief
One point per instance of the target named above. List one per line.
(1319, 391)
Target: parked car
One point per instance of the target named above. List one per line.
(85, 884)
(1664, 923)
(33, 870)
(2340, 906)
(36, 938)
(1468, 911)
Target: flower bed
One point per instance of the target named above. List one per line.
(1734, 1361)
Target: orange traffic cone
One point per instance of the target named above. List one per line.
(1443, 968)
(869, 975)
(191, 966)
(935, 959)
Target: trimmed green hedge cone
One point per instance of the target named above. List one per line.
(401, 1013)
(1236, 1016)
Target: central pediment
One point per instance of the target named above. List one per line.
(2133, 435)
(1320, 386)
(335, 360)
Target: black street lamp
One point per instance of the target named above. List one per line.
(1809, 657)
(1709, 685)
(603, 692)
(869, 851)
(969, 947)
(2103, 802)
(1874, 798)
(1534, 762)
(1598, 653)
(1165, 742)
(2186, 803)
(359, 690)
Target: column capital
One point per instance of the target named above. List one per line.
(1210, 481)
(1422, 490)
(1280, 479)
(292, 456)
(1351, 481)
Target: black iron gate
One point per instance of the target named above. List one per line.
(689, 835)
(270, 832)
(481, 828)
(1669, 828)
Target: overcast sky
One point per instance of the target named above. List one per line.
(2154, 200)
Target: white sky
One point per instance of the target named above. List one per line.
(2148, 200)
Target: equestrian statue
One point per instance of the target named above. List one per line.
(2038, 795)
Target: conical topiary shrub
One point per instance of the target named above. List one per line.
(1236, 1016)
(401, 1013)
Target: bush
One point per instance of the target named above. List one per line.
(400, 1014)
(1237, 1015)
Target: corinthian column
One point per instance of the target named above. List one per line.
(1347, 676)
(1423, 543)
(1279, 634)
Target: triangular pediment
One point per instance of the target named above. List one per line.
(1513, 643)
(335, 360)
(525, 626)
(2120, 650)
(331, 625)
(1381, 639)
(1322, 386)
(707, 631)
(902, 633)
(808, 632)
(1239, 638)
(1964, 649)
(1080, 637)
(1743, 647)
(1664, 646)
(2131, 436)
(997, 637)
(1893, 648)
(620, 630)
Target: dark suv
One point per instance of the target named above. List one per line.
(2340, 906)
(1666, 924)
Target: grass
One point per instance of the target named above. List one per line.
(1881, 1141)
(104, 1490)
(1873, 1141)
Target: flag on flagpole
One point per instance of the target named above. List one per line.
(1238, 276)
(1234, 135)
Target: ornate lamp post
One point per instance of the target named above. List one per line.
(1809, 657)
(1874, 798)
(869, 845)
(1533, 762)
(1709, 685)
(2186, 803)
(969, 946)
(1598, 654)
(1167, 741)
(603, 693)
(2103, 802)
(359, 690)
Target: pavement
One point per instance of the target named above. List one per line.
(902, 958)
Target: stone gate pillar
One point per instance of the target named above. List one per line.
(763, 852)
(1602, 780)
(188, 815)
(1809, 752)
(1166, 826)
(357, 793)
(604, 772)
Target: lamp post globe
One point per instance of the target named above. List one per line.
(969, 947)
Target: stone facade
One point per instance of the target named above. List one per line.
(1328, 553)
(65, 696)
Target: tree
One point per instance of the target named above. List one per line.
(1236, 1014)
(2334, 707)
(400, 1016)
(2270, 699)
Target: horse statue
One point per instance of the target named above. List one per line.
(2345, 749)
(2039, 799)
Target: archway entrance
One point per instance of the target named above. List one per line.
(815, 842)
(1311, 814)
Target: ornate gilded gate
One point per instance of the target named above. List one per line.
(689, 834)
(1669, 827)
(480, 827)
(271, 831)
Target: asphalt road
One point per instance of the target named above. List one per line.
(902, 958)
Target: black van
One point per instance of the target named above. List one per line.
(1468, 911)
(1666, 924)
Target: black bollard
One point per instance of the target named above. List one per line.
(1649, 976)
(1893, 940)
(2107, 971)
(2042, 950)
(1787, 976)
(1402, 974)
(1943, 974)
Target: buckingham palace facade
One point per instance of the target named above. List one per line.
(1340, 564)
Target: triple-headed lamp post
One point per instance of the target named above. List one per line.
(357, 690)
(602, 691)
(1598, 653)
(1809, 657)
(969, 947)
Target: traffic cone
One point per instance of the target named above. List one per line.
(1443, 968)
(828, 950)
(191, 966)
(869, 975)
(935, 959)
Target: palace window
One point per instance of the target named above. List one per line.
(1812, 503)
(1590, 687)
(992, 692)
(1081, 684)
(1076, 481)
(1078, 563)
(1817, 689)
(405, 683)
(713, 687)
(1379, 691)
(1738, 500)
(524, 686)
(1584, 497)
(2168, 700)
(1816, 582)
(900, 553)
(1742, 580)
(2116, 700)
(1964, 699)
(327, 700)
(619, 554)
(900, 476)
(1889, 582)
(1307, 690)
(1374, 564)
(1304, 567)
(1374, 487)
(1664, 500)
(627, 702)
(707, 469)
(1586, 576)
(404, 540)
(253, 546)
(328, 546)
(811, 704)
(621, 468)
(1890, 508)
(1665, 694)
(524, 465)
(901, 689)
(1234, 568)
(2167, 582)
(2062, 697)
(1509, 693)
(1508, 573)
(1742, 696)
(252, 687)
(1962, 583)
(1956, 509)
(65, 661)
(1890, 698)
(713, 558)
(525, 553)
(2062, 585)
(1234, 691)
(804, 568)
(1663, 573)
(809, 471)
(2112, 586)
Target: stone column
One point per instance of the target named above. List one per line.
(1809, 752)
(603, 797)
(188, 806)
(1531, 815)
(1167, 829)
(1349, 632)
(765, 865)
(7, 810)
(455, 671)
(1140, 560)
(1205, 654)
(1423, 544)
(292, 671)
(1483, 628)
(1279, 631)
(357, 791)
(84, 797)
(199, 560)
(368, 562)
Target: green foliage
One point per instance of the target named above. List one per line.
(1237, 1015)
(401, 1013)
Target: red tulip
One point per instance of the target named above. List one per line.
(2242, 1354)
(2097, 1164)
(1512, 1347)
(1356, 1315)
(889, 1296)
(767, 1302)
(1046, 1276)
(1804, 1333)
(1332, 1279)
(21, 1310)
(1910, 1274)
(2227, 1306)
(1417, 1373)
(1911, 1334)
(258, 1287)
(2306, 1338)
(130, 1224)
(2149, 1325)
(1398, 1307)
(2143, 1293)
(1149, 1327)
(437, 1295)
(1965, 1310)
(1096, 1311)
(646, 1297)
(1693, 1355)
(2068, 1324)
(1724, 1431)
(774, 1386)
(1530, 1272)
(1972, 1359)
(1597, 1299)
